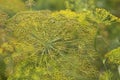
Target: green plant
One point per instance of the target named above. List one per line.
(53, 45)
(106, 76)
(29, 4)
(56, 38)
(49, 5)
(80, 5)
(3, 19)
(12, 7)
(112, 58)
(107, 37)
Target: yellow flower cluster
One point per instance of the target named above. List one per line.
(114, 56)
(66, 13)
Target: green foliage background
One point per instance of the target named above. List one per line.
(14, 6)
(65, 40)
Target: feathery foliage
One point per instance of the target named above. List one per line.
(53, 45)
(80, 5)
(114, 56)
(11, 7)
(58, 38)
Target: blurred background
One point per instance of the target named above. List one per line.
(13, 6)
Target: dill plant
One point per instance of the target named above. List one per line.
(112, 64)
(45, 45)
(56, 38)
(80, 5)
